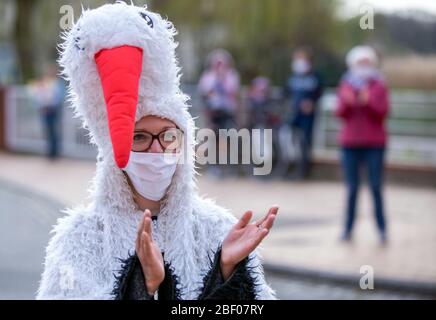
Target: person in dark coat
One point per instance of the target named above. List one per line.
(304, 88)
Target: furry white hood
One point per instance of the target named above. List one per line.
(87, 244)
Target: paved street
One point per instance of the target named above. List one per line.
(32, 191)
(296, 289)
(24, 225)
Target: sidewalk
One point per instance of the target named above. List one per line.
(305, 237)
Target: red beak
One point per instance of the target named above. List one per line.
(119, 70)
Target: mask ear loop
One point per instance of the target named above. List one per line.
(135, 193)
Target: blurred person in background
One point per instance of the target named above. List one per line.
(49, 93)
(304, 88)
(219, 87)
(261, 117)
(259, 97)
(363, 105)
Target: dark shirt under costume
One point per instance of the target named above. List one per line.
(130, 282)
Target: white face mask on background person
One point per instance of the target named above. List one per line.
(300, 66)
(364, 73)
(151, 173)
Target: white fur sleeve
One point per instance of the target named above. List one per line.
(222, 222)
(72, 269)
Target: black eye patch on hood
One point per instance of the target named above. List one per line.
(147, 18)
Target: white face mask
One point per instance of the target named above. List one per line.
(151, 173)
(300, 66)
(363, 72)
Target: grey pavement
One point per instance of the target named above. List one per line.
(27, 218)
(25, 222)
(305, 237)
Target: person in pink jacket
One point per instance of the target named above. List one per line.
(363, 105)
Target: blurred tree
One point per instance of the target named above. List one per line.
(260, 33)
(36, 31)
(22, 36)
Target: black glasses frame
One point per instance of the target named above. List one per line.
(156, 137)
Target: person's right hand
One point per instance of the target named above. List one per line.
(364, 96)
(149, 255)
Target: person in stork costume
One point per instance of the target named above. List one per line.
(146, 233)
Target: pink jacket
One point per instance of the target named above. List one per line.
(363, 125)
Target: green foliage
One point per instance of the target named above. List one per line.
(260, 34)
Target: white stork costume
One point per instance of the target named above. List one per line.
(121, 65)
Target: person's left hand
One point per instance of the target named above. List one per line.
(364, 96)
(243, 238)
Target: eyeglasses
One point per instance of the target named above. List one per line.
(170, 139)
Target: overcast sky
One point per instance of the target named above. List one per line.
(351, 7)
